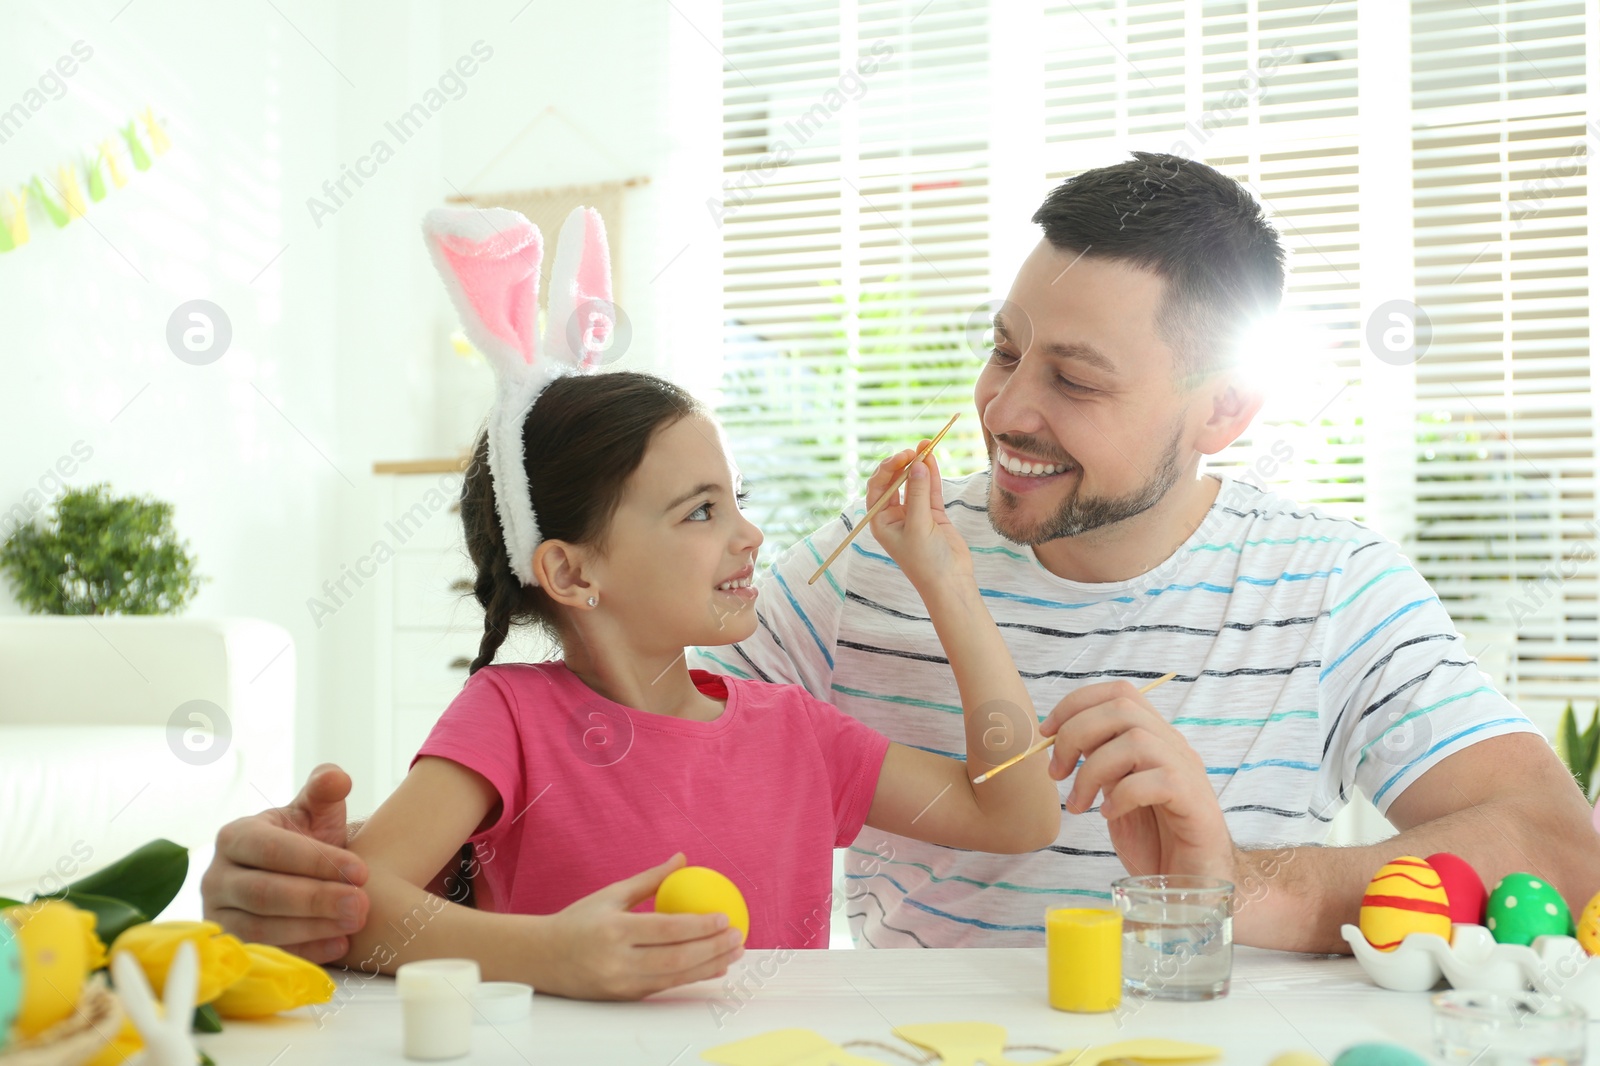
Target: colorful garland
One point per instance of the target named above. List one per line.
(68, 201)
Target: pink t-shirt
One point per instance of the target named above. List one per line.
(593, 792)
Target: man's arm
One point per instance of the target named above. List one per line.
(1504, 804)
(282, 877)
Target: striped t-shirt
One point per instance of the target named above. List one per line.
(1311, 659)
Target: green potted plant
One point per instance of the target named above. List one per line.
(101, 555)
(1580, 751)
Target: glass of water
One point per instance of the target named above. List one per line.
(1499, 1030)
(1177, 935)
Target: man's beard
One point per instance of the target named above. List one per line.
(1079, 514)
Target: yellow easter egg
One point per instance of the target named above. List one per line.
(1405, 897)
(701, 890)
(1589, 926)
(55, 962)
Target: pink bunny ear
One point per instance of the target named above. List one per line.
(489, 259)
(581, 315)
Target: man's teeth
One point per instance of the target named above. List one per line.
(1023, 468)
(742, 583)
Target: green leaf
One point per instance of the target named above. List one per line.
(1567, 739)
(207, 1020)
(206, 1060)
(1587, 754)
(111, 916)
(146, 878)
(7, 901)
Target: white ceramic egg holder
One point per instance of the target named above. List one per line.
(1473, 961)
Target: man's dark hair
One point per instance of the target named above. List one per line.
(1198, 229)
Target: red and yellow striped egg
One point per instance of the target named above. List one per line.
(1405, 897)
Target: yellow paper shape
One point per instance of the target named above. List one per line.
(18, 225)
(971, 1043)
(1145, 1049)
(958, 1043)
(785, 1047)
(117, 177)
(71, 192)
(158, 136)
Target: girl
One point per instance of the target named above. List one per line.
(606, 512)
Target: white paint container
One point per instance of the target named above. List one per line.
(436, 1007)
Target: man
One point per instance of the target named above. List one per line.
(1311, 659)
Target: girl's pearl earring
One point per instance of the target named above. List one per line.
(594, 601)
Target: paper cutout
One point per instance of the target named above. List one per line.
(130, 133)
(956, 1044)
(17, 227)
(65, 199)
(51, 208)
(117, 177)
(785, 1047)
(97, 180)
(959, 1043)
(972, 1043)
(71, 192)
(158, 136)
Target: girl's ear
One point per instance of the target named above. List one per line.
(560, 569)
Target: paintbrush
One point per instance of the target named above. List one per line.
(1047, 741)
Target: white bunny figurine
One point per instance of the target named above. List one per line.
(167, 1039)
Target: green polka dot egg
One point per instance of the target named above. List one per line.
(1523, 906)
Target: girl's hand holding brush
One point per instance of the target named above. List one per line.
(914, 529)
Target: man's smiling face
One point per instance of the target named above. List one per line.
(1083, 416)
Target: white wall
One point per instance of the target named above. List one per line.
(337, 358)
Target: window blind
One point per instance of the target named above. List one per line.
(855, 227)
(858, 217)
(1504, 131)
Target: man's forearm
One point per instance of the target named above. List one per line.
(1296, 898)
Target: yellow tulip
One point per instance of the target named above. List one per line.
(122, 1047)
(222, 958)
(277, 981)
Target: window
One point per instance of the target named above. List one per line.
(1427, 160)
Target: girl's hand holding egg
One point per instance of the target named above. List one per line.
(600, 948)
(915, 531)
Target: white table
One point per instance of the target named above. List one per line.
(1278, 1002)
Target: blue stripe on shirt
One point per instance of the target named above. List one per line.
(784, 585)
(936, 912)
(1006, 885)
(1288, 764)
(812, 548)
(908, 700)
(1403, 719)
(732, 669)
(1451, 739)
(1231, 546)
(1368, 635)
(1342, 604)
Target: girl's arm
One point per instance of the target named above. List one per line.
(928, 796)
(594, 949)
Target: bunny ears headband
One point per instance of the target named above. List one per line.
(489, 259)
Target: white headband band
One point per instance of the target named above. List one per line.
(489, 259)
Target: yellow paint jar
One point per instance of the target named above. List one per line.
(1083, 949)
